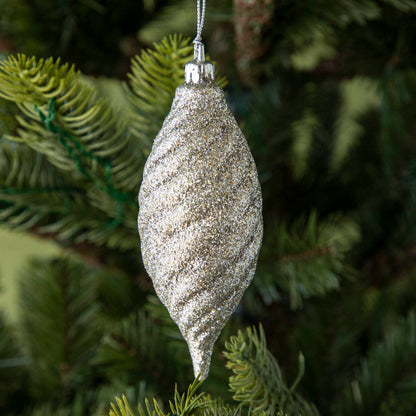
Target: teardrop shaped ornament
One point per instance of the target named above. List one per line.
(200, 218)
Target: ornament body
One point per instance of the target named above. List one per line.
(200, 218)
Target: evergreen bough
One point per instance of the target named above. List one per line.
(70, 167)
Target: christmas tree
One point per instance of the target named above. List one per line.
(325, 93)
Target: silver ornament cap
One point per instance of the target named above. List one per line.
(200, 218)
(198, 71)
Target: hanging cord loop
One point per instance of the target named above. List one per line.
(199, 52)
(198, 71)
(200, 18)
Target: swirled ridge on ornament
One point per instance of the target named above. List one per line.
(200, 219)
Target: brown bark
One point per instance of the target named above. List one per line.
(251, 19)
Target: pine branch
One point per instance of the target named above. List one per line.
(99, 400)
(219, 408)
(78, 131)
(403, 5)
(155, 74)
(7, 116)
(36, 196)
(325, 13)
(258, 386)
(187, 404)
(330, 332)
(360, 95)
(59, 324)
(65, 119)
(138, 346)
(306, 259)
(118, 294)
(160, 314)
(257, 381)
(176, 17)
(123, 408)
(154, 78)
(385, 376)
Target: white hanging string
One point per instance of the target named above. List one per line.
(200, 17)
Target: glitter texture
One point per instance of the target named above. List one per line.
(200, 219)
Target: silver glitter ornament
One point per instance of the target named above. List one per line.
(200, 219)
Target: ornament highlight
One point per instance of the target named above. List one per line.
(200, 218)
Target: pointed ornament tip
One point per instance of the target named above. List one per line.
(201, 359)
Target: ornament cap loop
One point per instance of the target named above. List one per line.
(199, 51)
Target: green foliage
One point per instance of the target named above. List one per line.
(155, 74)
(65, 119)
(177, 350)
(187, 404)
(118, 295)
(178, 17)
(58, 310)
(330, 121)
(49, 410)
(62, 329)
(323, 16)
(385, 382)
(258, 380)
(38, 197)
(63, 28)
(123, 408)
(159, 315)
(257, 385)
(79, 131)
(305, 259)
(137, 346)
(7, 122)
(154, 78)
(329, 331)
(12, 365)
(359, 96)
(105, 395)
(403, 5)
